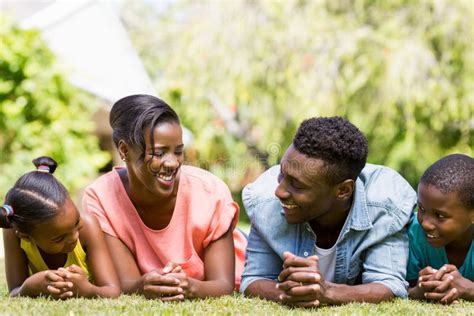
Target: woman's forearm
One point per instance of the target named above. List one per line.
(203, 289)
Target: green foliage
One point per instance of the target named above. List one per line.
(402, 71)
(41, 114)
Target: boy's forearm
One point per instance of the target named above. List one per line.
(469, 293)
(416, 293)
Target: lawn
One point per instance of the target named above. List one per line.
(231, 305)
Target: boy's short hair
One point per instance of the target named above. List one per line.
(453, 173)
(337, 142)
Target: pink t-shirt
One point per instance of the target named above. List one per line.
(203, 213)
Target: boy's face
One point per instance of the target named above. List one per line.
(443, 217)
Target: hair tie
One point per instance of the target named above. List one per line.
(8, 209)
(43, 168)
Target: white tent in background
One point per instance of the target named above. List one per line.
(93, 48)
(91, 44)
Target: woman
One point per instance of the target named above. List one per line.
(170, 228)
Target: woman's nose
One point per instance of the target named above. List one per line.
(171, 162)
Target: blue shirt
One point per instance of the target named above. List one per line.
(374, 242)
(422, 254)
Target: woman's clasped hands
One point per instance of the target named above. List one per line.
(168, 284)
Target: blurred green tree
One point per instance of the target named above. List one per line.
(41, 114)
(244, 74)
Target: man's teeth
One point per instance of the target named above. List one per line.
(165, 177)
(431, 236)
(289, 206)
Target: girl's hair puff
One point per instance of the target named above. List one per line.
(35, 198)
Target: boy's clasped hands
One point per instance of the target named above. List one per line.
(301, 281)
(445, 285)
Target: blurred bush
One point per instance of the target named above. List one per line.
(41, 114)
(244, 74)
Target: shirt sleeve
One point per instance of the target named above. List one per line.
(386, 263)
(261, 261)
(225, 216)
(92, 204)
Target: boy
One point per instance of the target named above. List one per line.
(441, 261)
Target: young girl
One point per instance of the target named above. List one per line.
(441, 262)
(51, 249)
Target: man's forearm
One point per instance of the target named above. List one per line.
(369, 293)
(264, 289)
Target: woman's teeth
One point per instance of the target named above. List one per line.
(165, 177)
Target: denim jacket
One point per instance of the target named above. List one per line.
(374, 242)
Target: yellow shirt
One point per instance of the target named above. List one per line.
(37, 264)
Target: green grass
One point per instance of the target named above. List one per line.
(230, 305)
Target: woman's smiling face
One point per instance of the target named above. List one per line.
(158, 169)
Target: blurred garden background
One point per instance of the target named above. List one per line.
(242, 75)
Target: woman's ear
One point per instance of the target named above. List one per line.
(123, 150)
(22, 235)
(345, 189)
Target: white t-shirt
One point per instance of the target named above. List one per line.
(327, 257)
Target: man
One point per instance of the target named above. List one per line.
(326, 227)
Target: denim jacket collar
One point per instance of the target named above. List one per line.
(359, 214)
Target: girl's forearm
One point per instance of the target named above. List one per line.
(106, 291)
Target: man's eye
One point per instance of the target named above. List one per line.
(280, 177)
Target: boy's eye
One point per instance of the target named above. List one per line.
(441, 216)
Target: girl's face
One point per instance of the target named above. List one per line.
(443, 217)
(61, 233)
(158, 172)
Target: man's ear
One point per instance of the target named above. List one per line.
(123, 150)
(22, 235)
(345, 189)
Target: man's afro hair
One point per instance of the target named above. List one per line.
(337, 142)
